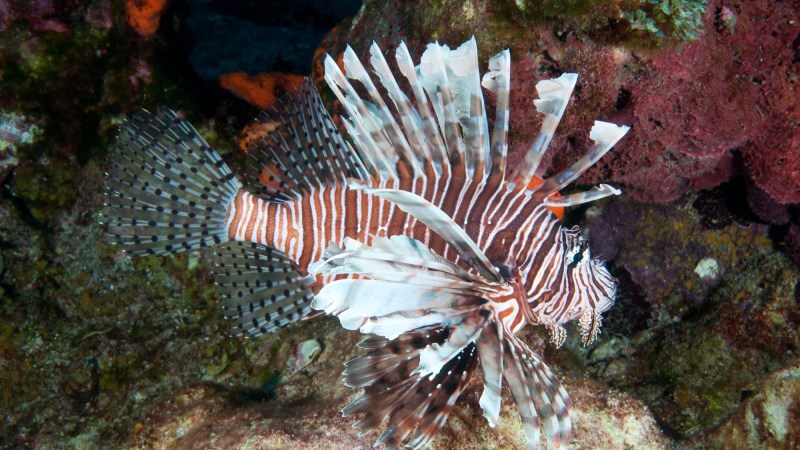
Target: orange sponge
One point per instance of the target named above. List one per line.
(262, 89)
(534, 184)
(144, 15)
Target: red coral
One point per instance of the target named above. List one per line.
(727, 92)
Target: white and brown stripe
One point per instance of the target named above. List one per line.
(514, 232)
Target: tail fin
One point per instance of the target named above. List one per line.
(167, 190)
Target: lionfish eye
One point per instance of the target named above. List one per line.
(504, 271)
(576, 258)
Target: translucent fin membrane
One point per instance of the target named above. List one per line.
(430, 128)
(167, 191)
(498, 80)
(596, 193)
(417, 288)
(553, 98)
(605, 135)
(363, 127)
(490, 352)
(261, 288)
(302, 150)
(448, 123)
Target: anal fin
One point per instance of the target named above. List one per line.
(261, 288)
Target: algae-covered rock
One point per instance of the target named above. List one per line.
(699, 349)
(204, 416)
(768, 419)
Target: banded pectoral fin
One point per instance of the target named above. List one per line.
(262, 289)
(538, 395)
(401, 286)
(414, 407)
(427, 312)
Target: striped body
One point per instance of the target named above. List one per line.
(510, 227)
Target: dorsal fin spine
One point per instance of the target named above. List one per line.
(382, 115)
(433, 77)
(498, 80)
(553, 98)
(437, 147)
(605, 135)
(374, 145)
(408, 115)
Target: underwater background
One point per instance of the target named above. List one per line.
(98, 350)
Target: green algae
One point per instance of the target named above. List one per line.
(681, 20)
(767, 419)
(46, 189)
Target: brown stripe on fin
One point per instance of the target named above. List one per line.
(538, 394)
(261, 288)
(415, 407)
(167, 191)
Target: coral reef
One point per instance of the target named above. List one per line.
(15, 130)
(700, 351)
(680, 19)
(207, 415)
(766, 418)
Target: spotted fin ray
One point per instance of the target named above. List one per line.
(261, 288)
(300, 146)
(167, 191)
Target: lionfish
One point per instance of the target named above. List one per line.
(463, 251)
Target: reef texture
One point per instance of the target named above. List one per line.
(693, 339)
(208, 416)
(98, 350)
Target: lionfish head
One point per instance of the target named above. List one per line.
(582, 288)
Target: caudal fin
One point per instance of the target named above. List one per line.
(167, 190)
